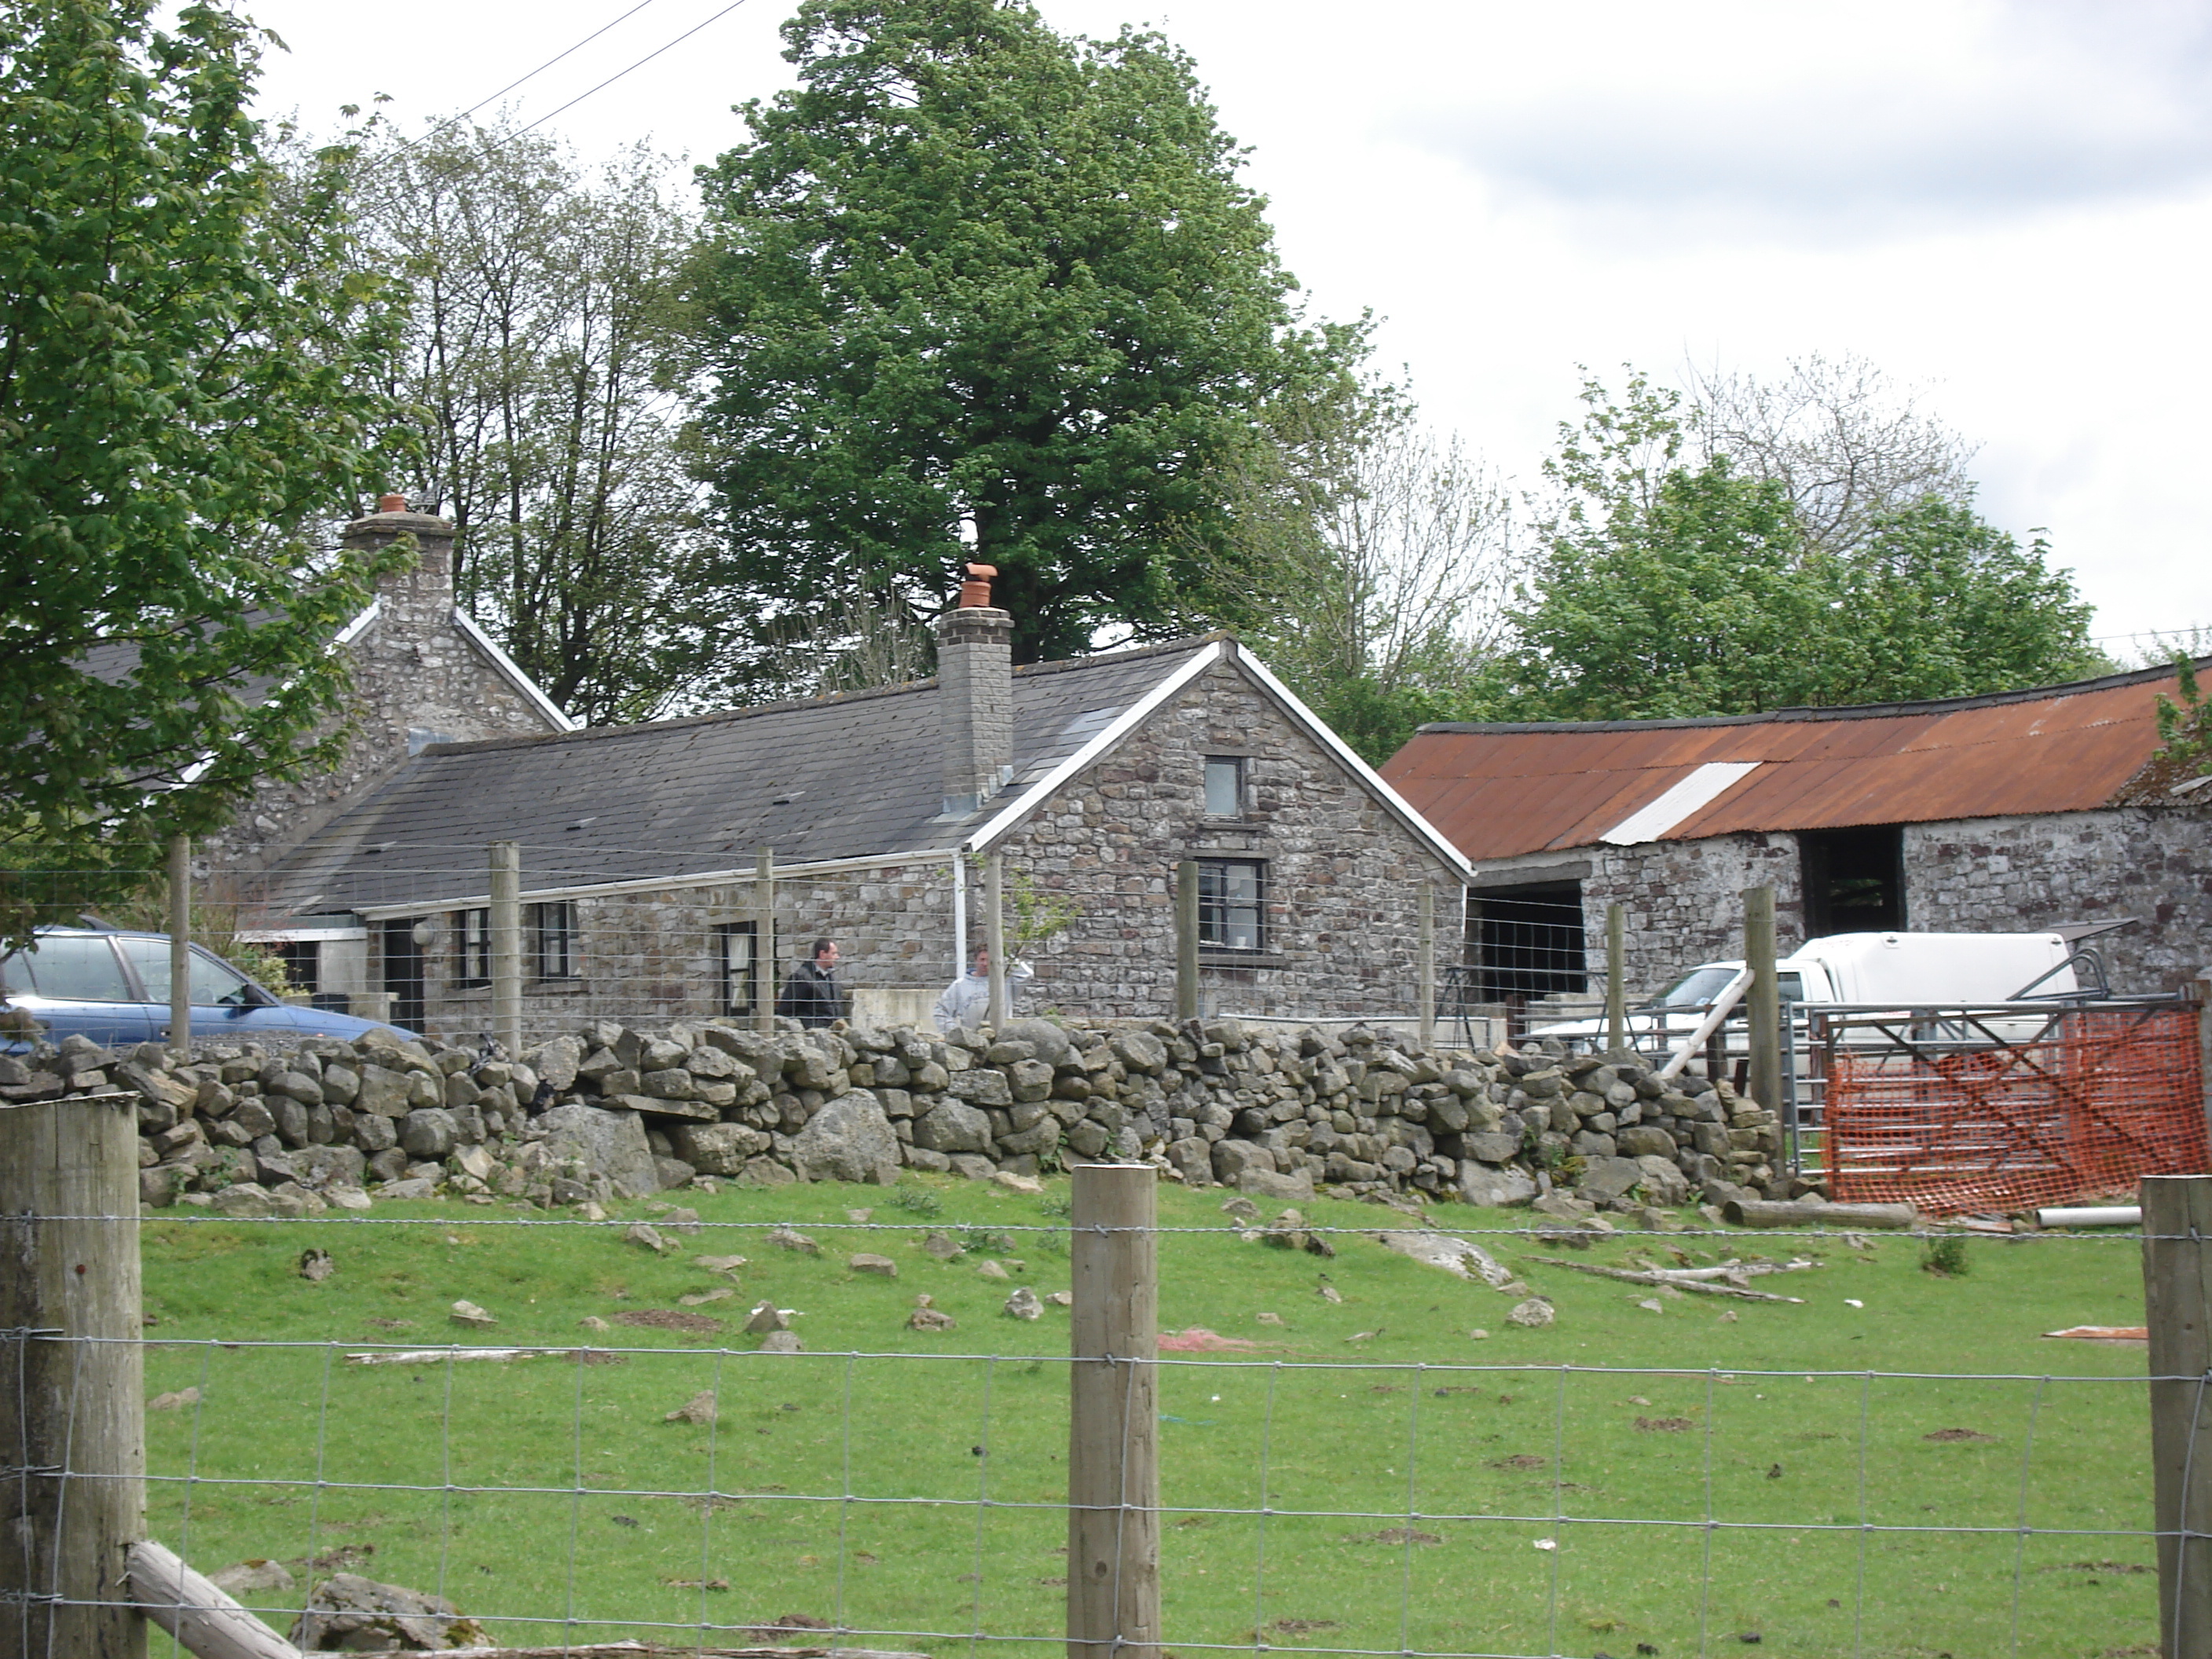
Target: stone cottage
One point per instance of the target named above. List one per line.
(2017, 811)
(639, 844)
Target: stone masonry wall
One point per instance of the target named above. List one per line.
(1342, 878)
(416, 678)
(2020, 874)
(1969, 876)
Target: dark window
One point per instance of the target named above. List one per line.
(77, 968)
(1233, 903)
(472, 947)
(1225, 785)
(553, 929)
(1854, 879)
(303, 963)
(736, 950)
(1527, 941)
(403, 970)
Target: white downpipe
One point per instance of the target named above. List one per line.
(1711, 1023)
(2109, 1215)
(959, 915)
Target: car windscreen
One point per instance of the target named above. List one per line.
(1791, 986)
(214, 984)
(15, 975)
(1695, 989)
(78, 967)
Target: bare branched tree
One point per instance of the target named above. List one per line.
(1846, 441)
(1375, 561)
(855, 643)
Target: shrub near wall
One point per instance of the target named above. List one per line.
(611, 1112)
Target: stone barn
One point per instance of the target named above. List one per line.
(2017, 811)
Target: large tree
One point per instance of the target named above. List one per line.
(183, 365)
(544, 369)
(975, 289)
(1668, 586)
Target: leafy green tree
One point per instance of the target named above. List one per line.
(544, 369)
(2184, 728)
(1664, 588)
(183, 397)
(976, 289)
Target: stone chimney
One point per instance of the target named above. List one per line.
(975, 694)
(423, 596)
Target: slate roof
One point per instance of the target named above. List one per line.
(1500, 791)
(836, 778)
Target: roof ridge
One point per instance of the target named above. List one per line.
(1796, 714)
(680, 722)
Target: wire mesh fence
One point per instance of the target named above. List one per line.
(664, 1479)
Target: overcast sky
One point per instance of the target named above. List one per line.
(2007, 206)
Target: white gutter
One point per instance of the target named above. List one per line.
(656, 884)
(354, 629)
(1453, 860)
(512, 672)
(1128, 722)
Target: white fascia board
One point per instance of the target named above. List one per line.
(1687, 795)
(360, 625)
(745, 877)
(299, 935)
(1452, 858)
(1134, 716)
(512, 672)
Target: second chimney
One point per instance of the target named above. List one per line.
(975, 695)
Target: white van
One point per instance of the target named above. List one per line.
(1862, 970)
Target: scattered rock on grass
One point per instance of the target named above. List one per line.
(349, 1614)
(701, 1298)
(175, 1400)
(699, 1408)
(767, 1317)
(881, 1265)
(1535, 1313)
(467, 1313)
(929, 1319)
(1023, 1304)
(791, 1240)
(783, 1342)
(989, 1269)
(315, 1266)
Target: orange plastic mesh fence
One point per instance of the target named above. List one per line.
(2089, 1107)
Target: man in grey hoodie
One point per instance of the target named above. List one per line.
(967, 1000)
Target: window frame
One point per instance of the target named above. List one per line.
(1216, 911)
(1241, 769)
(556, 940)
(472, 946)
(732, 1003)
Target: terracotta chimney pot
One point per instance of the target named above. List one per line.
(975, 592)
(392, 503)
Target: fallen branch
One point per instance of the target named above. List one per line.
(689, 1650)
(192, 1609)
(1630, 1276)
(435, 1356)
(1730, 1272)
(1762, 1212)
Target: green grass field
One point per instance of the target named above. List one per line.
(547, 1490)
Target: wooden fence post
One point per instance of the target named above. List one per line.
(2176, 1224)
(1185, 939)
(1112, 1457)
(1616, 981)
(72, 1387)
(1763, 1000)
(506, 942)
(180, 945)
(1428, 965)
(764, 961)
(994, 935)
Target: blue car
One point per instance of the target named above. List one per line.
(113, 986)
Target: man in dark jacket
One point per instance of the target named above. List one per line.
(811, 995)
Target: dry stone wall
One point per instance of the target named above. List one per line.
(608, 1111)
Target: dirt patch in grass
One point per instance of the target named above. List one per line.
(1665, 1424)
(1521, 1463)
(1392, 1535)
(2112, 1567)
(597, 1357)
(1950, 1435)
(668, 1319)
(1301, 1627)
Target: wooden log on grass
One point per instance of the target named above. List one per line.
(1631, 1276)
(1799, 1212)
(190, 1608)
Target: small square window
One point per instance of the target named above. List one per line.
(738, 962)
(1233, 903)
(553, 935)
(472, 946)
(1225, 785)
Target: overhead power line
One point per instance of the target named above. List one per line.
(455, 121)
(639, 63)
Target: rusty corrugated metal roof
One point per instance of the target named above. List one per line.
(1500, 791)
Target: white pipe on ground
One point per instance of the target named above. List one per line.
(2108, 1215)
